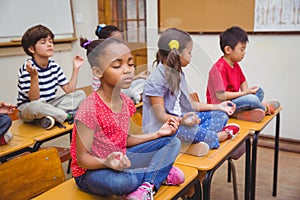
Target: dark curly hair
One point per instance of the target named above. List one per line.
(105, 32)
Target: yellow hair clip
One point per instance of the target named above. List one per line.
(174, 44)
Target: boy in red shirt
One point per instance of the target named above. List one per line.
(227, 81)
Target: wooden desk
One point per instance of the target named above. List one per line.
(17, 146)
(37, 133)
(257, 128)
(216, 157)
(69, 190)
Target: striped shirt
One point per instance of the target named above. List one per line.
(49, 80)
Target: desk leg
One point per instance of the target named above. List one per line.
(253, 166)
(247, 168)
(207, 184)
(276, 148)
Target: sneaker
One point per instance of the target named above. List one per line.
(232, 130)
(198, 149)
(144, 192)
(271, 106)
(47, 122)
(71, 117)
(6, 138)
(254, 115)
(175, 177)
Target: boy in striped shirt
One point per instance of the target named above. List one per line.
(39, 79)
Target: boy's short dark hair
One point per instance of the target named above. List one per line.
(232, 36)
(34, 34)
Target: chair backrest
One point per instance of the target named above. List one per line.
(30, 175)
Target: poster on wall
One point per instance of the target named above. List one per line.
(277, 15)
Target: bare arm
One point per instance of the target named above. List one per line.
(143, 75)
(188, 119)
(224, 96)
(34, 90)
(6, 108)
(115, 160)
(167, 129)
(84, 141)
(71, 86)
(225, 106)
(159, 109)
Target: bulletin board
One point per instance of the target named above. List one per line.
(16, 16)
(214, 16)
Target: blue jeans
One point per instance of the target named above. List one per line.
(5, 123)
(150, 162)
(249, 101)
(211, 123)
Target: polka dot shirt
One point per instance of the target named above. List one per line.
(110, 129)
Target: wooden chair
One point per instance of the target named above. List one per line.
(30, 175)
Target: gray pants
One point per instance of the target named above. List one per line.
(57, 108)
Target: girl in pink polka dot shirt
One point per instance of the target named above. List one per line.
(106, 160)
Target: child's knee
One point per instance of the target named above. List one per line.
(5, 121)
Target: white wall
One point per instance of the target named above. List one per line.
(272, 62)
(9, 66)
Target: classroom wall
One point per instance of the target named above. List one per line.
(271, 61)
(87, 13)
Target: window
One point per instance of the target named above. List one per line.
(130, 17)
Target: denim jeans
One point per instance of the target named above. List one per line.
(249, 101)
(211, 123)
(150, 162)
(5, 123)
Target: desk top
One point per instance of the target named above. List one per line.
(69, 190)
(16, 144)
(255, 126)
(35, 132)
(214, 156)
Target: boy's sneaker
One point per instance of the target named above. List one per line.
(232, 130)
(254, 115)
(144, 192)
(71, 116)
(47, 122)
(6, 138)
(271, 106)
(175, 177)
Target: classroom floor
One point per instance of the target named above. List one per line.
(288, 175)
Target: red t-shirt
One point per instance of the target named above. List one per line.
(223, 77)
(110, 129)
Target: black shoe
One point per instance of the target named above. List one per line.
(47, 122)
(70, 119)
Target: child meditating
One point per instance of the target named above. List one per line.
(39, 79)
(227, 81)
(106, 160)
(166, 96)
(135, 90)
